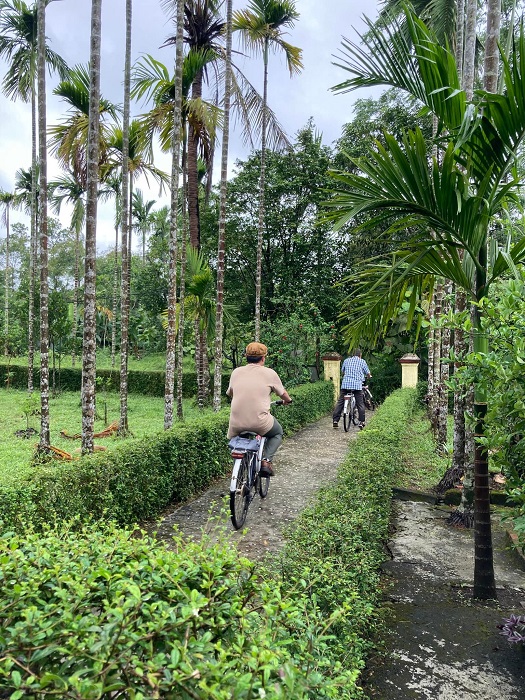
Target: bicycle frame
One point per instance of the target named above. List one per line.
(238, 456)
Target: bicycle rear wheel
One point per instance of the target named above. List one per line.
(346, 416)
(263, 485)
(240, 497)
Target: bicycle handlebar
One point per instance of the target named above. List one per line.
(280, 402)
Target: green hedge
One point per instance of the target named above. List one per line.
(137, 480)
(149, 383)
(336, 546)
(104, 614)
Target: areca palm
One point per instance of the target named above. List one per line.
(69, 138)
(68, 188)
(7, 201)
(18, 46)
(142, 214)
(262, 28)
(457, 199)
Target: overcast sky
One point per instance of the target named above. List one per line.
(318, 32)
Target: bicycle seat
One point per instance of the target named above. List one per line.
(248, 434)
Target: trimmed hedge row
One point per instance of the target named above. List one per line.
(335, 548)
(146, 382)
(137, 480)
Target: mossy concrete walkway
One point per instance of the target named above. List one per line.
(441, 644)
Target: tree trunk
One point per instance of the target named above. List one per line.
(115, 298)
(260, 226)
(89, 345)
(126, 231)
(32, 248)
(193, 175)
(491, 62)
(7, 278)
(460, 35)
(44, 288)
(171, 340)
(435, 398)
(75, 295)
(219, 307)
(470, 48)
(182, 290)
(442, 415)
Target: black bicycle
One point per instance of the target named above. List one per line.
(370, 404)
(247, 451)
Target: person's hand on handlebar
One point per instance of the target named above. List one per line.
(286, 398)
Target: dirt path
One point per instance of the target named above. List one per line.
(305, 462)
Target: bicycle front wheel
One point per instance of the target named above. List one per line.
(240, 495)
(346, 416)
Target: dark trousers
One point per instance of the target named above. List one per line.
(274, 437)
(359, 400)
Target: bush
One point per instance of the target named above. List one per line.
(104, 614)
(336, 545)
(137, 480)
(146, 382)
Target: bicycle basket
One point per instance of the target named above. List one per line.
(244, 444)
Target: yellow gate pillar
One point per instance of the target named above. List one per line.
(332, 370)
(409, 370)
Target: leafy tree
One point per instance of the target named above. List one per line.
(456, 198)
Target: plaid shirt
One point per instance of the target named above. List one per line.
(354, 371)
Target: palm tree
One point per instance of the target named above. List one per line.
(457, 199)
(18, 46)
(219, 321)
(141, 211)
(7, 200)
(69, 138)
(112, 188)
(89, 346)
(44, 286)
(127, 189)
(261, 27)
(67, 188)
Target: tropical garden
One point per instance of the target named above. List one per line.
(403, 236)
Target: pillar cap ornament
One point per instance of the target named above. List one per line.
(410, 358)
(332, 356)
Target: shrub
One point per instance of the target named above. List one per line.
(138, 479)
(336, 545)
(105, 614)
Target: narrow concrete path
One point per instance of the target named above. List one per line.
(304, 463)
(442, 644)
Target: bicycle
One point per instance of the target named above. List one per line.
(247, 450)
(350, 412)
(370, 404)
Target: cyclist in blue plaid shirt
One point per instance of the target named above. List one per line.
(354, 371)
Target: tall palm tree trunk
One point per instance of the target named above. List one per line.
(89, 345)
(193, 175)
(182, 286)
(126, 231)
(32, 248)
(260, 225)
(7, 279)
(44, 288)
(171, 340)
(115, 298)
(76, 287)
(491, 62)
(221, 251)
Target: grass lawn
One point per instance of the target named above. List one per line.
(145, 416)
(423, 466)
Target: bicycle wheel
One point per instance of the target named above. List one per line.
(346, 415)
(355, 413)
(240, 497)
(263, 485)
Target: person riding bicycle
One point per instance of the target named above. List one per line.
(354, 371)
(250, 388)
